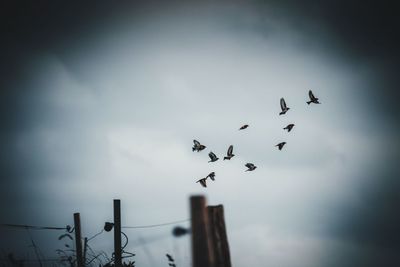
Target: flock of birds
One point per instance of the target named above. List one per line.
(250, 166)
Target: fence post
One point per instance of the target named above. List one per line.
(117, 233)
(78, 239)
(202, 251)
(218, 235)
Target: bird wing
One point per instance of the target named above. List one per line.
(197, 143)
(311, 95)
(283, 104)
(249, 165)
(230, 150)
(212, 155)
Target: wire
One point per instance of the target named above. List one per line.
(99, 233)
(31, 260)
(24, 226)
(154, 225)
(126, 242)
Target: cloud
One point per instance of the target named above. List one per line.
(114, 116)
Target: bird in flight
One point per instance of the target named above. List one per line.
(212, 156)
(202, 181)
(283, 107)
(289, 127)
(250, 167)
(280, 145)
(229, 153)
(243, 127)
(197, 146)
(211, 175)
(169, 257)
(313, 99)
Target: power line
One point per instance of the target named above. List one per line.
(33, 227)
(155, 225)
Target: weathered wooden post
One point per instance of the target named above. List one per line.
(78, 241)
(117, 233)
(202, 251)
(218, 235)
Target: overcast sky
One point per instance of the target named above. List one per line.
(103, 101)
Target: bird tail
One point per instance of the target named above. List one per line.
(309, 102)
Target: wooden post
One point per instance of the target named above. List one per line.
(78, 241)
(202, 251)
(218, 235)
(117, 233)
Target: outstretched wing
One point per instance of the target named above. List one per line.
(249, 165)
(311, 95)
(169, 257)
(211, 175)
(212, 155)
(196, 143)
(230, 150)
(283, 104)
(202, 181)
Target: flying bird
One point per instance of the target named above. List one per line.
(283, 107)
(211, 176)
(289, 127)
(250, 167)
(169, 257)
(243, 127)
(213, 157)
(313, 99)
(197, 146)
(280, 145)
(202, 181)
(229, 153)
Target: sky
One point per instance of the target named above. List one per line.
(102, 101)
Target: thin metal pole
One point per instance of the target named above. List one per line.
(117, 233)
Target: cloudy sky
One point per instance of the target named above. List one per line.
(102, 101)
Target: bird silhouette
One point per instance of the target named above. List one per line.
(280, 145)
(169, 257)
(283, 107)
(229, 153)
(289, 127)
(211, 175)
(250, 167)
(313, 99)
(243, 127)
(213, 157)
(197, 146)
(202, 181)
